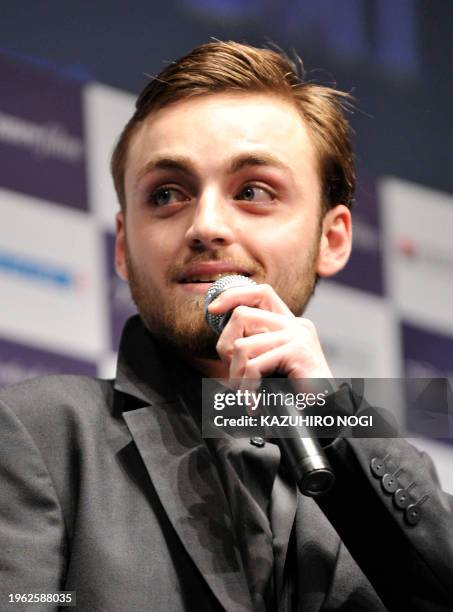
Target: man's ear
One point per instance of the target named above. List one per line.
(336, 241)
(120, 246)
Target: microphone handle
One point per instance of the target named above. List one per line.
(304, 458)
(303, 455)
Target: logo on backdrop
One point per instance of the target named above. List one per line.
(42, 135)
(44, 140)
(41, 272)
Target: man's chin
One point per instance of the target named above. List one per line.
(193, 341)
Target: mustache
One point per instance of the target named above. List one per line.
(178, 268)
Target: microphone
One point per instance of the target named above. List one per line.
(302, 453)
(218, 322)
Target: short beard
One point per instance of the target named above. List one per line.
(182, 327)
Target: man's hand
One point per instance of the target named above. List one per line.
(263, 336)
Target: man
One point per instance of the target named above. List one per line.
(231, 165)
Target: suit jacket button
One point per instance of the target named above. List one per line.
(390, 482)
(402, 498)
(257, 441)
(378, 466)
(412, 513)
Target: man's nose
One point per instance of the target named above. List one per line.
(211, 224)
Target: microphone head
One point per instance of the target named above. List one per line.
(218, 321)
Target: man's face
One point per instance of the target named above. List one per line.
(215, 185)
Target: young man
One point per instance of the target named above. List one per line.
(231, 165)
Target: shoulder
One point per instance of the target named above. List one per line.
(56, 399)
(59, 385)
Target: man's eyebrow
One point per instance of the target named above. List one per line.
(185, 165)
(246, 160)
(179, 163)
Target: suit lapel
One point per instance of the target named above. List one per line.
(183, 474)
(186, 482)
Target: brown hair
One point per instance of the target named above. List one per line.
(218, 67)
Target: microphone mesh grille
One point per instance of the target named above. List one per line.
(218, 322)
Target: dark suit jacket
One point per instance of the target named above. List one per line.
(108, 489)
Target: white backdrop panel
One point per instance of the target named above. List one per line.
(358, 331)
(107, 111)
(51, 276)
(418, 253)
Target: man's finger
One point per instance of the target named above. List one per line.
(248, 348)
(262, 296)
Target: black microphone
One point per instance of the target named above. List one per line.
(302, 453)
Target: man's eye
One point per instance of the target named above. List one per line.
(252, 193)
(166, 195)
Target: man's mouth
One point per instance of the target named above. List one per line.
(199, 277)
(208, 278)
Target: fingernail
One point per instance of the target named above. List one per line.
(215, 304)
